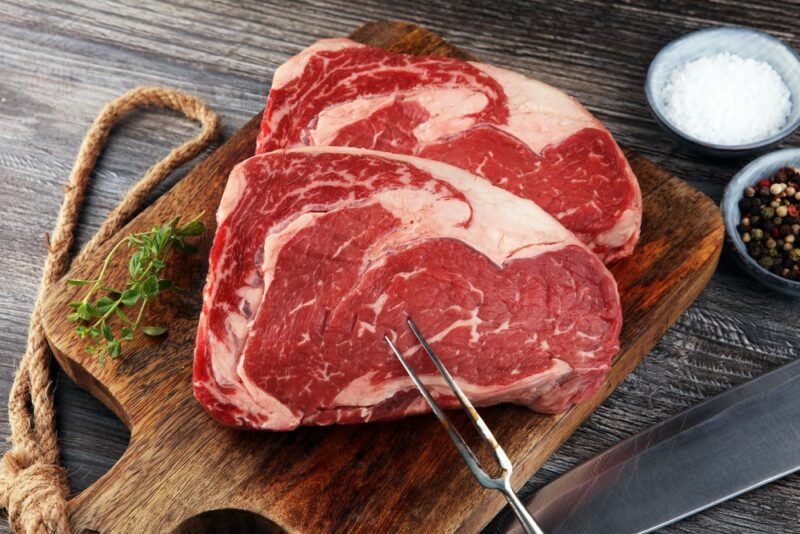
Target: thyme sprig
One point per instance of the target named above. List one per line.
(102, 303)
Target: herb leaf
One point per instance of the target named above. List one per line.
(129, 297)
(150, 287)
(153, 330)
(151, 252)
(193, 228)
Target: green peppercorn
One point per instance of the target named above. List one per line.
(794, 255)
(765, 262)
(777, 221)
(758, 234)
(767, 212)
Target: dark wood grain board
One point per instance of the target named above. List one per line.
(368, 478)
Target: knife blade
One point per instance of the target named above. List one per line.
(739, 440)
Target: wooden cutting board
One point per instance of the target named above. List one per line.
(184, 471)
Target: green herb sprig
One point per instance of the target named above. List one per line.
(152, 250)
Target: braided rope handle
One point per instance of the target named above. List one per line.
(33, 486)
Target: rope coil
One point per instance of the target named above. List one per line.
(33, 486)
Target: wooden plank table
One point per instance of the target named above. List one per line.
(62, 61)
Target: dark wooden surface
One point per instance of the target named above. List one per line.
(360, 478)
(61, 61)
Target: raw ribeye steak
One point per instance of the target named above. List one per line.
(521, 134)
(321, 251)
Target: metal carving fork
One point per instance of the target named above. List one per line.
(501, 483)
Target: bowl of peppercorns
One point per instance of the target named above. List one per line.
(761, 208)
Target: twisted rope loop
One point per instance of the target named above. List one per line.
(33, 487)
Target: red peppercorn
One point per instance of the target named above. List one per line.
(776, 232)
(764, 182)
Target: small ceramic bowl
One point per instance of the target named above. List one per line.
(744, 42)
(764, 167)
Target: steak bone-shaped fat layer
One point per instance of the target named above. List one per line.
(522, 135)
(321, 251)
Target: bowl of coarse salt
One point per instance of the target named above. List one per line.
(726, 91)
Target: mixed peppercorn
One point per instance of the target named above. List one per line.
(770, 224)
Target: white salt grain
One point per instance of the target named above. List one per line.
(726, 99)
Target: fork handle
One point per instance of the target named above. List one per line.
(525, 519)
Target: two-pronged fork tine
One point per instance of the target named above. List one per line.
(502, 483)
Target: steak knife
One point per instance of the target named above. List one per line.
(730, 444)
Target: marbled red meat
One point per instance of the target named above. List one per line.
(520, 134)
(320, 251)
